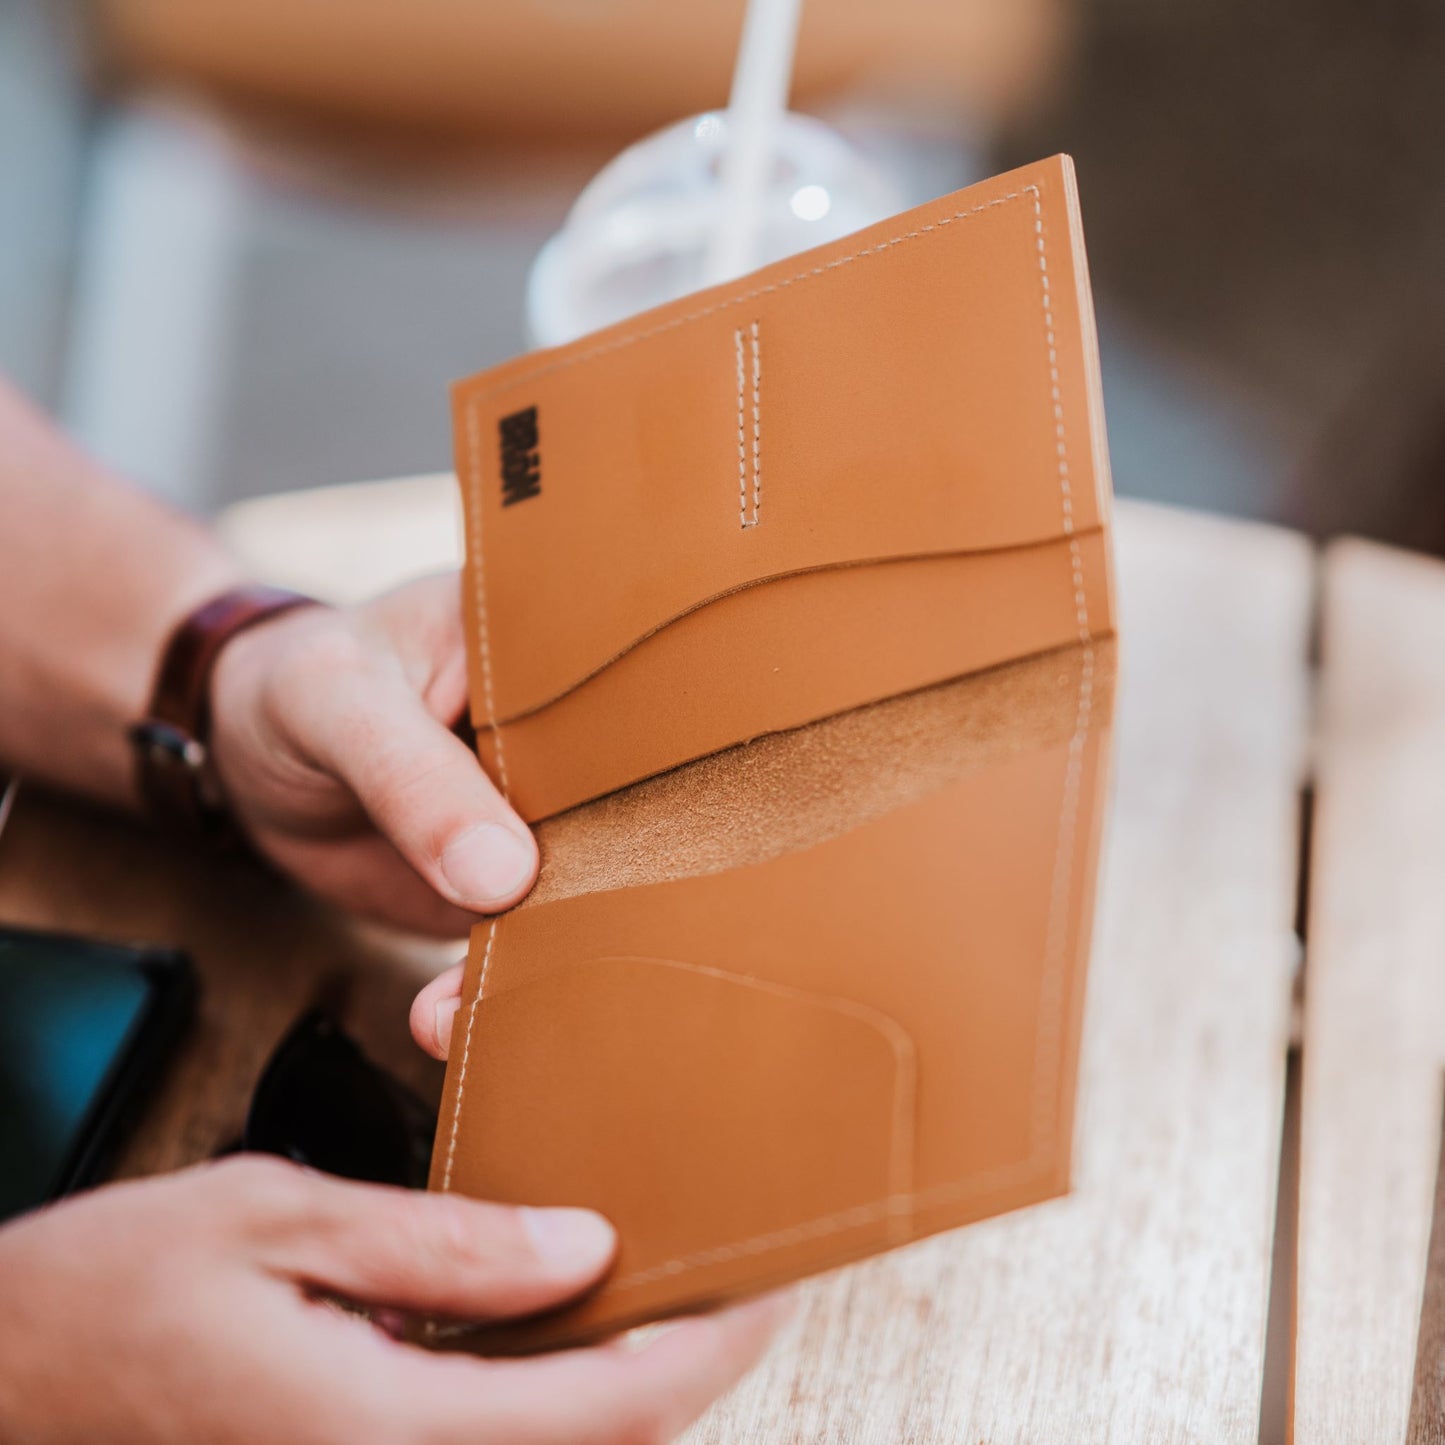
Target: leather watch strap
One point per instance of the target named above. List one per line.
(172, 741)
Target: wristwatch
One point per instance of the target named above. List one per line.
(172, 742)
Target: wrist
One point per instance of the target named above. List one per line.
(204, 572)
(176, 772)
(79, 678)
(97, 572)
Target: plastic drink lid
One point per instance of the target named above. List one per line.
(637, 235)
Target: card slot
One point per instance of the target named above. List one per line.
(838, 576)
(918, 375)
(745, 1108)
(978, 955)
(782, 654)
(793, 790)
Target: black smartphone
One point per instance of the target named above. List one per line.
(85, 1030)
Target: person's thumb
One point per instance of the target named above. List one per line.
(438, 1253)
(425, 790)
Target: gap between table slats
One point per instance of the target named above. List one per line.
(1374, 1039)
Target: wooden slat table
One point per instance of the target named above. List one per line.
(1371, 1317)
(1136, 1309)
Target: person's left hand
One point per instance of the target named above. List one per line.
(332, 740)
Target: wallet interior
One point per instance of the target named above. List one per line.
(789, 612)
(797, 1001)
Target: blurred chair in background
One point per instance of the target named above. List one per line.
(305, 218)
(528, 69)
(298, 220)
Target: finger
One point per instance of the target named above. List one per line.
(365, 874)
(422, 624)
(438, 1253)
(434, 1010)
(602, 1396)
(424, 789)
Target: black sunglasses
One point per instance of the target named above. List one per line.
(321, 1102)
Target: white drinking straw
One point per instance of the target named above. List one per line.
(756, 107)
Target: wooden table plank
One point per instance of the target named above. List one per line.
(1374, 1042)
(348, 543)
(1135, 1309)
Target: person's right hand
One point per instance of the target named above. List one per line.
(190, 1308)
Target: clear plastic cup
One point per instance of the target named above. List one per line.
(637, 234)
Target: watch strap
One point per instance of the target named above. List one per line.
(172, 742)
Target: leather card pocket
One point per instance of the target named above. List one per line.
(793, 1004)
(853, 473)
(706, 1110)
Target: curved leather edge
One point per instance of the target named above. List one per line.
(729, 1081)
(630, 526)
(811, 647)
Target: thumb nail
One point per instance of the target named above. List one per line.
(570, 1239)
(445, 1015)
(486, 864)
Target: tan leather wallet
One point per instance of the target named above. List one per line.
(790, 610)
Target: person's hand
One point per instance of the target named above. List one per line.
(434, 1011)
(332, 738)
(192, 1309)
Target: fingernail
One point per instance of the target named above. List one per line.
(639, 1339)
(486, 864)
(570, 1238)
(446, 1013)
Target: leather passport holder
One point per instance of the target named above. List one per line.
(790, 612)
(864, 469)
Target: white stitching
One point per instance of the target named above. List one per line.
(1045, 1097)
(742, 450)
(855, 1217)
(574, 359)
(467, 1054)
(757, 428)
(1043, 1120)
(1060, 445)
(474, 451)
(746, 518)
